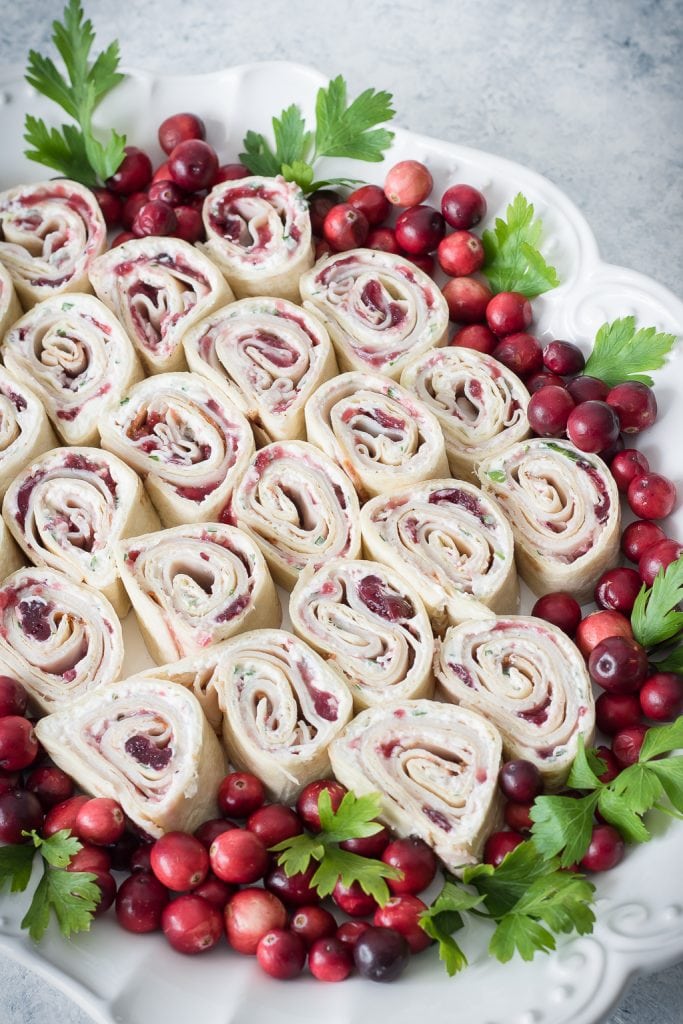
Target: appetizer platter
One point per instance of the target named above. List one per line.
(313, 463)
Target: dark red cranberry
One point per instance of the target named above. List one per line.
(352, 900)
(419, 229)
(313, 923)
(140, 903)
(307, 804)
(635, 405)
(154, 218)
(370, 846)
(50, 784)
(330, 960)
(563, 358)
(281, 954)
(460, 254)
(521, 353)
(122, 852)
(509, 313)
(63, 815)
(408, 183)
(463, 206)
(517, 816)
(100, 821)
(616, 711)
(217, 893)
(587, 389)
(319, 205)
(626, 466)
(499, 844)
(321, 248)
(416, 860)
(18, 743)
(13, 698)
(560, 609)
(111, 206)
(402, 913)
(618, 589)
(240, 794)
(661, 697)
(345, 228)
(231, 172)
(179, 861)
(9, 781)
(612, 767)
(193, 165)
(638, 537)
(179, 128)
(627, 743)
(107, 886)
(467, 300)
(238, 857)
(90, 858)
(618, 664)
(605, 851)
(189, 224)
(598, 626)
(520, 781)
(191, 924)
(593, 426)
(249, 915)
(381, 954)
(141, 858)
(425, 263)
(134, 173)
(211, 829)
(122, 238)
(651, 496)
(19, 812)
(384, 240)
(656, 558)
(166, 191)
(543, 379)
(274, 824)
(475, 336)
(294, 890)
(350, 931)
(548, 411)
(372, 202)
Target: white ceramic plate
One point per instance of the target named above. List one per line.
(118, 977)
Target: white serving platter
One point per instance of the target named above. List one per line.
(117, 977)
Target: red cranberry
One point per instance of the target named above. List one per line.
(307, 804)
(122, 852)
(274, 824)
(616, 711)
(240, 794)
(543, 379)
(593, 426)
(179, 861)
(384, 240)
(638, 537)
(371, 201)
(179, 128)
(352, 900)
(122, 238)
(100, 821)
(521, 353)
(508, 313)
(281, 954)
(191, 924)
(350, 931)
(231, 172)
(416, 860)
(319, 205)
(162, 173)
(345, 228)
(402, 913)
(618, 589)
(563, 358)
(50, 784)
(107, 886)
(189, 224)
(548, 411)
(626, 466)
(423, 263)
(661, 697)
(294, 890)
(13, 698)
(141, 859)
(211, 829)
(635, 405)
(140, 903)
(330, 960)
(618, 664)
(111, 206)
(312, 924)
(166, 191)
(520, 781)
(63, 815)
(381, 954)
(370, 846)
(467, 300)
(498, 845)
(627, 743)
(238, 857)
(475, 336)
(408, 183)
(560, 609)
(612, 767)
(517, 816)
(651, 496)
(321, 248)
(587, 389)
(90, 858)
(658, 556)
(9, 781)
(18, 743)
(463, 206)
(154, 218)
(19, 812)
(460, 254)
(134, 173)
(215, 892)
(249, 915)
(605, 851)
(193, 164)
(419, 229)
(598, 626)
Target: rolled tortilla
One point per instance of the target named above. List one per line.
(380, 309)
(370, 625)
(193, 586)
(299, 508)
(10, 556)
(450, 541)
(57, 637)
(25, 431)
(435, 767)
(479, 403)
(380, 435)
(75, 355)
(10, 308)
(282, 707)
(186, 439)
(196, 674)
(159, 288)
(68, 509)
(258, 232)
(270, 356)
(145, 743)
(51, 233)
(527, 677)
(563, 506)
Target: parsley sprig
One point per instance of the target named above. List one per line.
(342, 129)
(514, 262)
(73, 150)
(657, 617)
(72, 895)
(621, 352)
(355, 818)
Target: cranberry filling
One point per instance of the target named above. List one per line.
(538, 715)
(437, 818)
(456, 496)
(326, 704)
(147, 753)
(373, 299)
(18, 401)
(34, 619)
(276, 351)
(234, 609)
(461, 672)
(382, 602)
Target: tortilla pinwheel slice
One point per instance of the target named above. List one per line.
(10, 307)
(196, 674)
(25, 431)
(10, 556)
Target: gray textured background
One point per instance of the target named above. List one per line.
(589, 94)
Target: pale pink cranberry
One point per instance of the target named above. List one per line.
(408, 183)
(467, 299)
(598, 626)
(249, 915)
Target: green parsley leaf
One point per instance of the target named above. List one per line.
(444, 917)
(57, 849)
(661, 739)
(351, 867)
(513, 261)
(617, 810)
(300, 172)
(258, 157)
(497, 475)
(623, 353)
(673, 662)
(73, 895)
(353, 819)
(656, 616)
(670, 774)
(63, 150)
(563, 825)
(582, 774)
(296, 853)
(15, 866)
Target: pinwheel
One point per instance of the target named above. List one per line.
(10, 555)
(25, 431)
(196, 674)
(10, 309)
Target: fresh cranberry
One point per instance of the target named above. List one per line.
(381, 954)
(371, 201)
(90, 858)
(140, 903)
(461, 253)
(467, 300)
(319, 205)
(598, 626)
(416, 860)
(191, 924)
(19, 812)
(408, 183)
(312, 924)
(330, 960)
(520, 352)
(627, 743)
(111, 206)
(605, 851)
(231, 172)
(587, 389)
(122, 238)
(425, 263)
(402, 913)
(193, 165)
(508, 313)
(352, 900)
(249, 915)
(618, 664)
(294, 890)
(369, 846)
(616, 711)
(345, 228)
(125, 849)
(651, 496)
(612, 767)
(560, 609)
(635, 405)
(211, 829)
(661, 697)
(520, 781)
(350, 931)
(593, 426)
(18, 743)
(608, 454)
(544, 379)
(162, 173)
(179, 861)
(240, 794)
(238, 857)
(63, 815)
(281, 954)
(384, 240)
(626, 466)
(563, 358)
(13, 697)
(133, 174)
(274, 824)
(307, 804)
(517, 816)
(179, 128)
(189, 224)
(617, 589)
(498, 845)
(100, 821)
(321, 248)
(463, 206)
(419, 229)
(107, 886)
(166, 191)
(9, 781)
(215, 892)
(50, 784)
(548, 411)
(638, 537)
(475, 336)
(154, 218)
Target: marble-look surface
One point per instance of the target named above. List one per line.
(589, 94)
